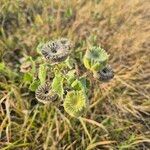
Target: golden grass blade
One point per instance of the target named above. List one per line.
(85, 128)
(95, 123)
(94, 145)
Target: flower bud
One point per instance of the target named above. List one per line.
(95, 59)
(75, 103)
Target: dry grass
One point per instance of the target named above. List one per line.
(119, 113)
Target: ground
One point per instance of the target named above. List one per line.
(118, 117)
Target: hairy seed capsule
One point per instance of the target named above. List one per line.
(95, 59)
(44, 94)
(75, 103)
(57, 50)
(105, 74)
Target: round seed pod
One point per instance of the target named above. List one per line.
(75, 103)
(57, 50)
(95, 59)
(45, 95)
(105, 74)
(65, 42)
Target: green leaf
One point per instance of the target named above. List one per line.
(86, 63)
(69, 62)
(57, 84)
(34, 85)
(39, 47)
(95, 58)
(70, 76)
(68, 13)
(85, 84)
(28, 78)
(80, 84)
(2, 66)
(7, 71)
(95, 66)
(77, 85)
(42, 73)
(79, 55)
(33, 70)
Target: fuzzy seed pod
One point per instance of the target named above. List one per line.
(44, 94)
(75, 103)
(95, 59)
(105, 74)
(57, 50)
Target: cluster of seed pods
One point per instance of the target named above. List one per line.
(95, 59)
(54, 52)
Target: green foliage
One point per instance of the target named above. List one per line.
(75, 103)
(39, 47)
(95, 59)
(2, 67)
(80, 84)
(77, 85)
(57, 84)
(70, 76)
(69, 62)
(28, 78)
(66, 76)
(69, 13)
(34, 85)
(42, 73)
(33, 70)
(122, 107)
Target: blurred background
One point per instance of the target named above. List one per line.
(119, 113)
